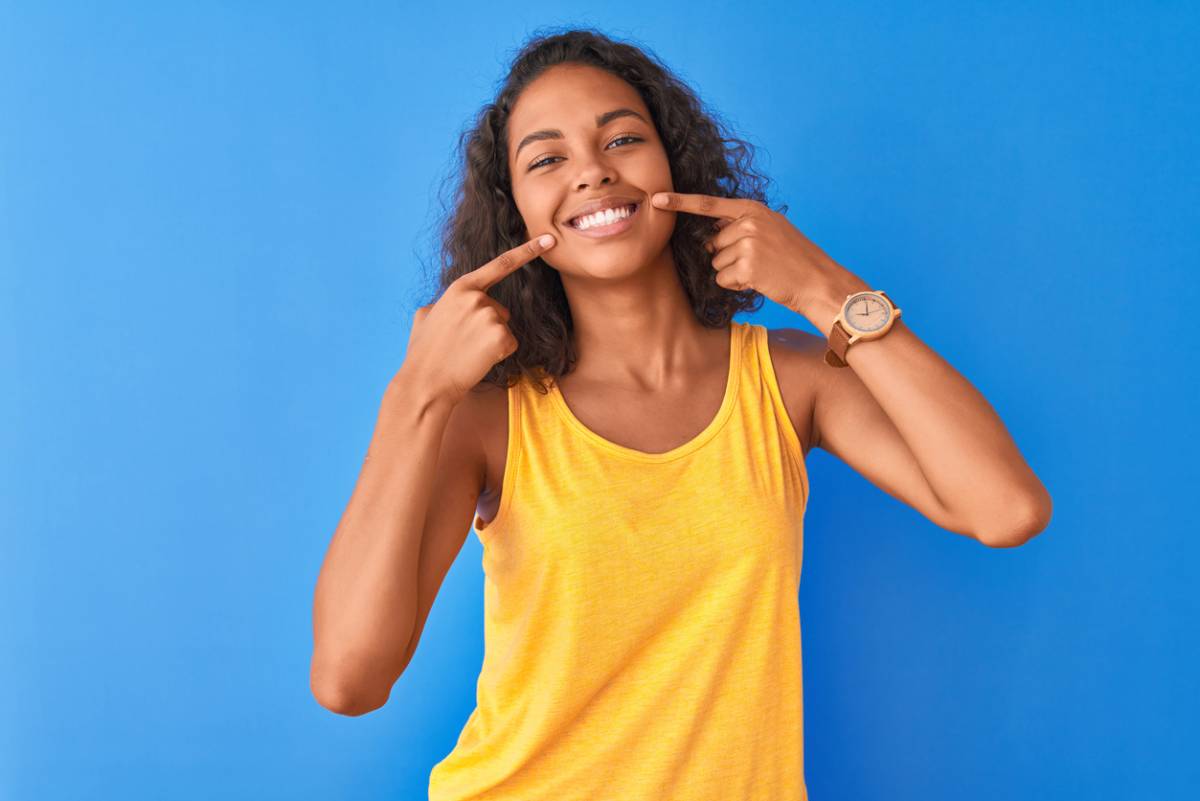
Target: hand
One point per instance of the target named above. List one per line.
(455, 341)
(759, 248)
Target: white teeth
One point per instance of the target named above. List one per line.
(606, 217)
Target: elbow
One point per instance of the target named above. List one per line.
(345, 701)
(335, 691)
(1010, 539)
(1033, 521)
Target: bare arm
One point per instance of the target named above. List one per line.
(411, 509)
(385, 563)
(907, 420)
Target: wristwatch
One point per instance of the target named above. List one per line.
(864, 315)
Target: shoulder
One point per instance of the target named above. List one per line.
(798, 358)
(795, 345)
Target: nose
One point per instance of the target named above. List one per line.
(595, 172)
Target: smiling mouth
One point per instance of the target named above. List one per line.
(596, 229)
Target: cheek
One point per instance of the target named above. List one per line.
(661, 231)
(658, 172)
(535, 208)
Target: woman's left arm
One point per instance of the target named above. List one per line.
(963, 450)
(971, 465)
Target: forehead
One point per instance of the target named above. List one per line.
(570, 96)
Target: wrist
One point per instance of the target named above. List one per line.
(824, 307)
(413, 386)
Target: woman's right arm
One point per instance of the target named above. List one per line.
(366, 602)
(411, 509)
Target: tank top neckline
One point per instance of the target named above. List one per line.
(732, 382)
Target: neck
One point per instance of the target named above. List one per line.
(639, 330)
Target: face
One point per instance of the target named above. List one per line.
(578, 134)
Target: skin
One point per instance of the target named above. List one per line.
(650, 377)
(635, 331)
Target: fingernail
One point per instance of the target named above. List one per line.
(545, 240)
(658, 199)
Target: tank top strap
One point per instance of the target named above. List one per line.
(517, 402)
(773, 413)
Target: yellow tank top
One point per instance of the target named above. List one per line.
(641, 610)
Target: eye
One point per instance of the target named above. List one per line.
(547, 160)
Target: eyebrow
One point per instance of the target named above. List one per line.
(601, 121)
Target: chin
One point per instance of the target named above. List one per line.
(615, 263)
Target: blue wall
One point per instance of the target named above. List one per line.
(213, 222)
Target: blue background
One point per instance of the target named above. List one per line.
(214, 222)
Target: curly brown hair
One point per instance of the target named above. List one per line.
(484, 220)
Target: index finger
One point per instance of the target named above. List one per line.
(507, 263)
(708, 205)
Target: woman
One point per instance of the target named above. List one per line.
(633, 458)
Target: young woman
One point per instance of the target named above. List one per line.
(633, 459)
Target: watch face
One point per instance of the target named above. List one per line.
(866, 312)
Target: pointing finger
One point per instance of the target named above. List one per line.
(706, 205)
(506, 263)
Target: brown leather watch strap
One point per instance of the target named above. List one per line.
(839, 342)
